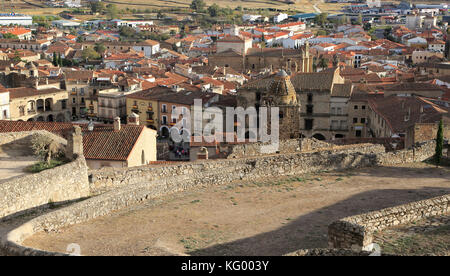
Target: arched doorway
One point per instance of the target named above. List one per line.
(164, 132)
(40, 105)
(40, 119)
(319, 136)
(50, 118)
(48, 104)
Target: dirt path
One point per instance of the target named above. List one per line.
(267, 217)
(13, 167)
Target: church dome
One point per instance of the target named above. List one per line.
(282, 90)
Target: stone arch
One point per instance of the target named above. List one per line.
(164, 131)
(50, 118)
(40, 119)
(60, 118)
(31, 105)
(319, 136)
(48, 104)
(40, 105)
(30, 120)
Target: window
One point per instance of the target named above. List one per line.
(309, 109)
(358, 133)
(74, 101)
(308, 124)
(310, 97)
(333, 110)
(339, 111)
(355, 107)
(363, 120)
(63, 104)
(363, 107)
(355, 120)
(164, 108)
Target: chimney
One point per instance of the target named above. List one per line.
(133, 119)
(117, 126)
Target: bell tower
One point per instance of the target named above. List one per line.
(281, 93)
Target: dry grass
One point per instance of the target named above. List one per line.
(299, 6)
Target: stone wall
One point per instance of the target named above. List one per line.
(357, 231)
(60, 184)
(285, 146)
(227, 170)
(125, 187)
(420, 152)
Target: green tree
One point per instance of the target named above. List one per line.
(439, 143)
(213, 10)
(55, 59)
(16, 57)
(321, 19)
(359, 21)
(96, 7)
(60, 63)
(112, 12)
(99, 48)
(323, 63)
(90, 53)
(198, 5)
(10, 36)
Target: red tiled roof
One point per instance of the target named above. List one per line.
(103, 143)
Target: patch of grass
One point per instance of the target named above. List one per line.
(189, 243)
(42, 165)
(195, 201)
(339, 179)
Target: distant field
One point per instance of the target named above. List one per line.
(32, 6)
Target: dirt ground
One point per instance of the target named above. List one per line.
(266, 217)
(13, 167)
(430, 236)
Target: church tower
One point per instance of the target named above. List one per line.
(281, 93)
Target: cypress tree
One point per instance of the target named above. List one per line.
(55, 61)
(59, 60)
(439, 143)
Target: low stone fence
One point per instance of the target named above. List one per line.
(224, 170)
(63, 183)
(284, 147)
(420, 152)
(357, 231)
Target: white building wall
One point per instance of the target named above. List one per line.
(4, 106)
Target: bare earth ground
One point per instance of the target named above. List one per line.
(267, 217)
(430, 236)
(12, 167)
